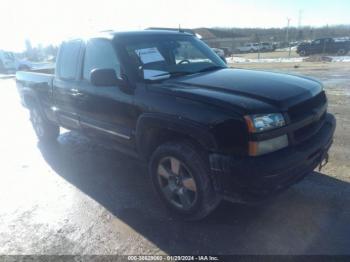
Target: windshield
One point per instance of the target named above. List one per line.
(162, 57)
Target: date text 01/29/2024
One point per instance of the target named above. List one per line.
(173, 258)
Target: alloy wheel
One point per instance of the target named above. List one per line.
(177, 183)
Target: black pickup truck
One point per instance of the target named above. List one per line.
(207, 132)
(324, 46)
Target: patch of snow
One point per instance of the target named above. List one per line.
(286, 49)
(340, 58)
(264, 60)
(236, 59)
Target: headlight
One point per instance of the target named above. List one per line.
(263, 122)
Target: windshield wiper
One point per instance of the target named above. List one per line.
(183, 73)
(175, 73)
(211, 68)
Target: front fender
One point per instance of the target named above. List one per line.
(149, 122)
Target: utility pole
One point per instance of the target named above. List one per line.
(287, 35)
(299, 18)
(300, 29)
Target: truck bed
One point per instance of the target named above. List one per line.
(34, 76)
(34, 85)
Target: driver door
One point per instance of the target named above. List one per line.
(105, 111)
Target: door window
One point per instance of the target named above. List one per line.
(100, 54)
(69, 57)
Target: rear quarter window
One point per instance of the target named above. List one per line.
(68, 60)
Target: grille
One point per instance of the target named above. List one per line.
(303, 109)
(309, 130)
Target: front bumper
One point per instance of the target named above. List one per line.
(247, 179)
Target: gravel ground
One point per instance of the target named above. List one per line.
(80, 198)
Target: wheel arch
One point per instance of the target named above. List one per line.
(30, 99)
(155, 129)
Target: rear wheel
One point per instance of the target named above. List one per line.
(341, 52)
(44, 130)
(181, 178)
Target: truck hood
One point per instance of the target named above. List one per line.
(304, 44)
(248, 89)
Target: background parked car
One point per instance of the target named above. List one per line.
(7, 62)
(256, 47)
(266, 47)
(248, 47)
(220, 53)
(324, 45)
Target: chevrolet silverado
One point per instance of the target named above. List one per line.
(207, 132)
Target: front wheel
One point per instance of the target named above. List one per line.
(182, 180)
(341, 52)
(44, 130)
(302, 53)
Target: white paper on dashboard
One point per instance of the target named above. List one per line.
(153, 74)
(149, 55)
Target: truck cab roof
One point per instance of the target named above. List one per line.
(111, 34)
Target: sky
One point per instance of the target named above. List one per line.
(51, 21)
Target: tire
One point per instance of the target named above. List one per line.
(302, 53)
(2, 68)
(45, 130)
(341, 52)
(181, 177)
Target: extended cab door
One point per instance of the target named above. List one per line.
(330, 46)
(317, 46)
(65, 92)
(106, 111)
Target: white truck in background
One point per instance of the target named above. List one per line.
(7, 62)
(256, 47)
(248, 48)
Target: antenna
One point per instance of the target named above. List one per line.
(180, 30)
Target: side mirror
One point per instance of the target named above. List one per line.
(108, 77)
(103, 77)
